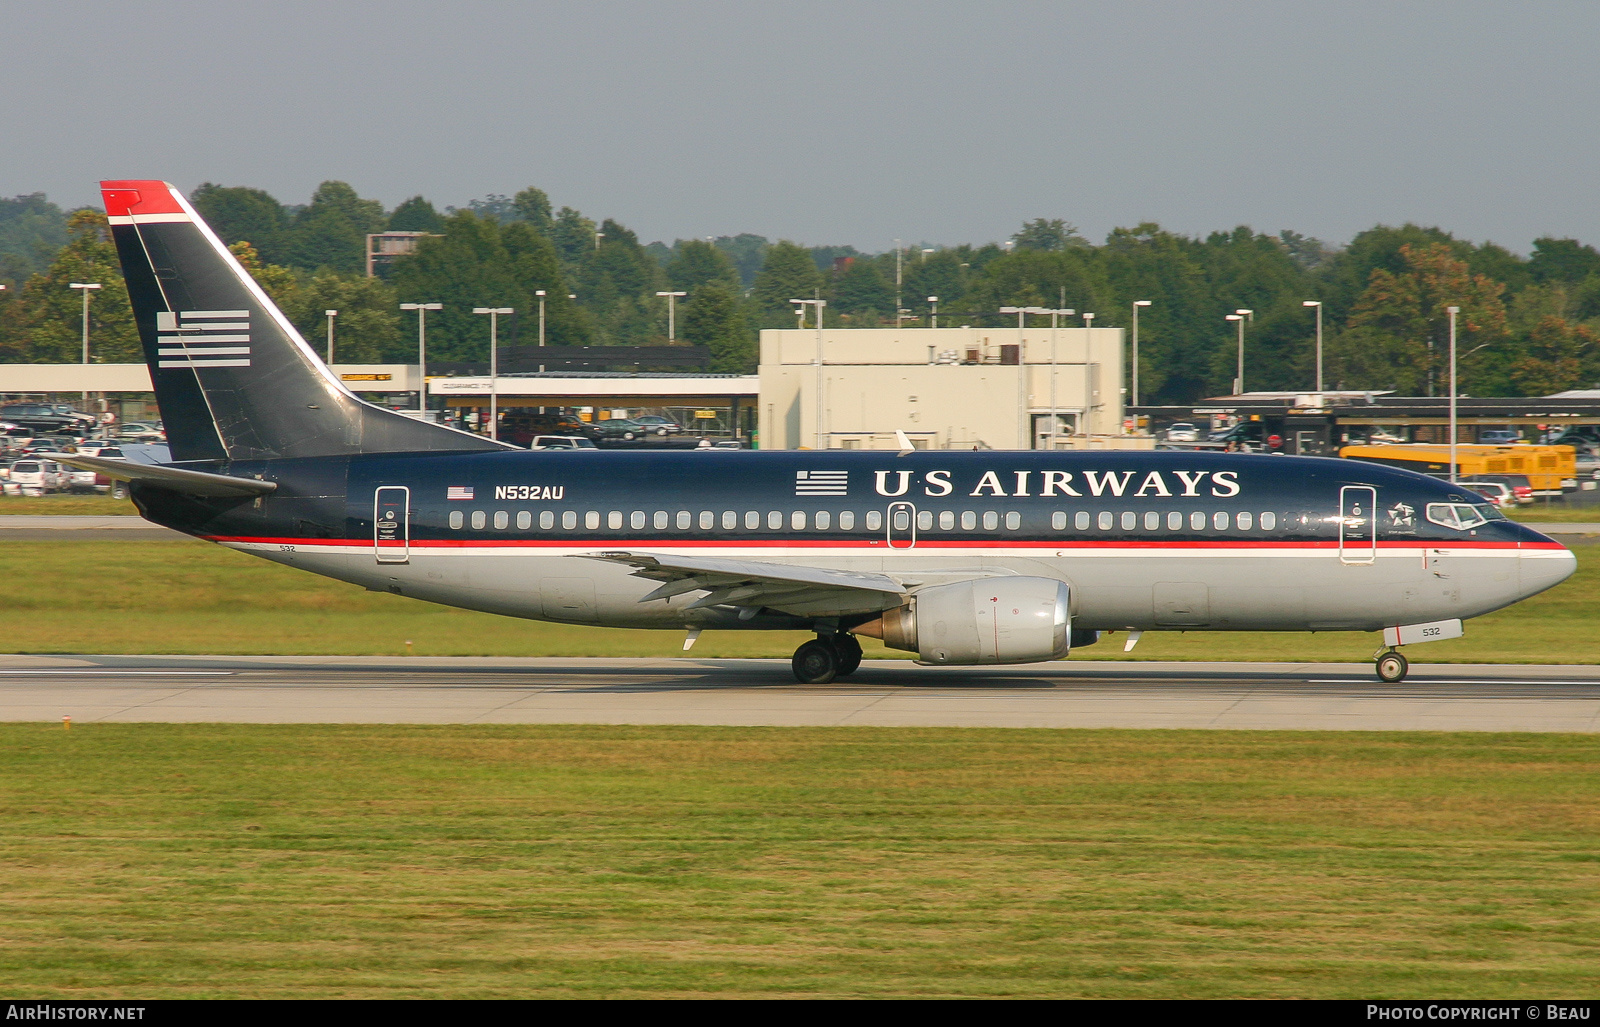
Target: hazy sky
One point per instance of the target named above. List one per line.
(853, 122)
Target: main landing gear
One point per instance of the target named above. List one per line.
(826, 657)
(1391, 666)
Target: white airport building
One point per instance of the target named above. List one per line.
(960, 388)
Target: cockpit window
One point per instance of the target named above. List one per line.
(1460, 516)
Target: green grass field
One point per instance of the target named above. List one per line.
(65, 505)
(191, 597)
(543, 861)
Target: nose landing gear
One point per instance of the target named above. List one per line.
(826, 657)
(1391, 666)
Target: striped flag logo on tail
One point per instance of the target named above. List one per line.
(821, 483)
(458, 492)
(203, 338)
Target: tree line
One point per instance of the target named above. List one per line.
(1527, 326)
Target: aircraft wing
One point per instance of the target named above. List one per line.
(753, 584)
(176, 479)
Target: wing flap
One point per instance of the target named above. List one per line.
(806, 591)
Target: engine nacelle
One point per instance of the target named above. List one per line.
(985, 620)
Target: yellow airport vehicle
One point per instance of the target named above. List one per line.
(1549, 469)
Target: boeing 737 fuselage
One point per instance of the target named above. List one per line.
(961, 558)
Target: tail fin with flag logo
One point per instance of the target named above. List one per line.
(233, 378)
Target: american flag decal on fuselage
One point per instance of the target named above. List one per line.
(203, 338)
(457, 492)
(821, 483)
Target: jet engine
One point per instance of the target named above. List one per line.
(985, 620)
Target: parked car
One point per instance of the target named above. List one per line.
(624, 428)
(99, 447)
(1497, 492)
(1182, 431)
(1498, 437)
(50, 417)
(558, 442)
(658, 425)
(141, 432)
(1518, 483)
(35, 478)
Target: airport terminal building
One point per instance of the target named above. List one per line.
(946, 388)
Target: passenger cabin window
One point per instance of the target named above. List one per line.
(1058, 520)
(1197, 521)
(547, 520)
(1219, 520)
(1459, 516)
(1080, 520)
(797, 520)
(708, 520)
(969, 520)
(924, 520)
(479, 519)
(1245, 521)
(1174, 521)
(730, 520)
(1013, 520)
(823, 520)
(502, 520)
(947, 520)
(1269, 520)
(636, 520)
(661, 520)
(456, 519)
(685, 520)
(874, 520)
(569, 519)
(775, 520)
(752, 520)
(991, 520)
(1108, 520)
(591, 519)
(847, 520)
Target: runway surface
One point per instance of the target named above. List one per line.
(425, 690)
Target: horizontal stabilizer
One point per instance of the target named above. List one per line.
(175, 479)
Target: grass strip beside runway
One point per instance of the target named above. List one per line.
(446, 862)
(183, 597)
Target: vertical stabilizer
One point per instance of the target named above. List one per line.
(233, 378)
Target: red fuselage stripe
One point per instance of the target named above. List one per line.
(635, 543)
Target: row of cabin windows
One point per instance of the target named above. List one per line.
(824, 520)
(1175, 520)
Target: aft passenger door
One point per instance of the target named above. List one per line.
(391, 524)
(1358, 524)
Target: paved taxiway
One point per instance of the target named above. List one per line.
(1085, 693)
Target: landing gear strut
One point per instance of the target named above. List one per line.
(1392, 666)
(824, 658)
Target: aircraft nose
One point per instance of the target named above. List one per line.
(1544, 565)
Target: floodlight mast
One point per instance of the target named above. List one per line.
(1136, 305)
(800, 308)
(422, 351)
(494, 365)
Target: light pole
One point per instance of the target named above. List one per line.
(934, 320)
(422, 350)
(1136, 305)
(1055, 333)
(330, 314)
(1318, 305)
(85, 288)
(1239, 316)
(672, 323)
(800, 306)
(1453, 312)
(898, 278)
(494, 364)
